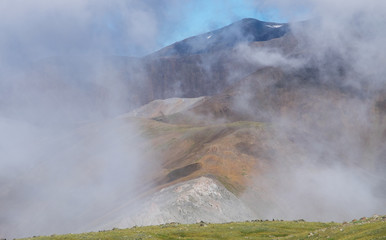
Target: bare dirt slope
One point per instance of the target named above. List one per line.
(163, 107)
(202, 199)
(265, 122)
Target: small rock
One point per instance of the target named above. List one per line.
(202, 224)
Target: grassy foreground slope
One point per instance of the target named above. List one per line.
(367, 228)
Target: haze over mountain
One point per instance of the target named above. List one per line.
(252, 120)
(137, 81)
(243, 31)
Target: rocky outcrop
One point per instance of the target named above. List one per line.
(168, 106)
(201, 199)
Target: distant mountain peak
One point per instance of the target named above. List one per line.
(244, 30)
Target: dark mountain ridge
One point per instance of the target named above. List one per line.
(198, 66)
(243, 31)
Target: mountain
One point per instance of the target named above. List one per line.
(200, 66)
(243, 122)
(200, 199)
(244, 31)
(212, 61)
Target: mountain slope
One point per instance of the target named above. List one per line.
(243, 31)
(284, 140)
(192, 201)
(109, 86)
(366, 228)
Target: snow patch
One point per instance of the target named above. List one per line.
(209, 36)
(274, 26)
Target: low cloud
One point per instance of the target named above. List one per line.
(330, 162)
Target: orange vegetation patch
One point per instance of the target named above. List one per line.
(187, 152)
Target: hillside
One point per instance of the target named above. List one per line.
(243, 31)
(239, 156)
(111, 85)
(366, 228)
(249, 121)
(184, 154)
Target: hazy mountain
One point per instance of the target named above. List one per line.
(108, 86)
(247, 121)
(244, 31)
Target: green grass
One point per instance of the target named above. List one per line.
(367, 229)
